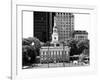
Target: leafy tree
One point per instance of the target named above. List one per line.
(30, 50)
(78, 47)
(83, 47)
(36, 42)
(28, 54)
(25, 41)
(73, 45)
(47, 43)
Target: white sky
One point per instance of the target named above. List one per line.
(81, 21)
(27, 24)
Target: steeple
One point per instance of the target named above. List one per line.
(55, 21)
(55, 32)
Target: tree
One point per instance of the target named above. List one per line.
(30, 51)
(36, 42)
(28, 55)
(83, 47)
(78, 47)
(25, 41)
(73, 45)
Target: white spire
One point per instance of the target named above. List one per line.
(55, 32)
(55, 22)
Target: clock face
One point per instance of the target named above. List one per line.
(55, 38)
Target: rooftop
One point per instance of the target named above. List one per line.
(80, 32)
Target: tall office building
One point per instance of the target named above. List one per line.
(65, 25)
(41, 25)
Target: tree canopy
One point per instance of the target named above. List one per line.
(77, 47)
(30, 50)
(83, 47)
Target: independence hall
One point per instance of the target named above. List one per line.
(55, 27)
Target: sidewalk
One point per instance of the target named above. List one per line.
(52, 65)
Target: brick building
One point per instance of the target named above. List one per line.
(80, 35)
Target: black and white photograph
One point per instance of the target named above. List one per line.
(55, 39)
(52, 40)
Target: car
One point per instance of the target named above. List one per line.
(86, 60)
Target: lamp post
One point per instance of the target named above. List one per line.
(48, 44)
(63, 53)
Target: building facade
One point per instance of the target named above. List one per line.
(80, 35)
(51, 54)
(41, 25)
(65, 25)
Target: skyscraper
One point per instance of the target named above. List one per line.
(41, 25)
(65, 25)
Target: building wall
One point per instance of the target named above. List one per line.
(54, 53)
(65, 24)
(81, 36)
(41, 26)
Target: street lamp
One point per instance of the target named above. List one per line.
(63, 53)
(48, 44)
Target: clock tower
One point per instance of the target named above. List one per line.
(55, 33)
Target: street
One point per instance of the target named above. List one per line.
(52, 65)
